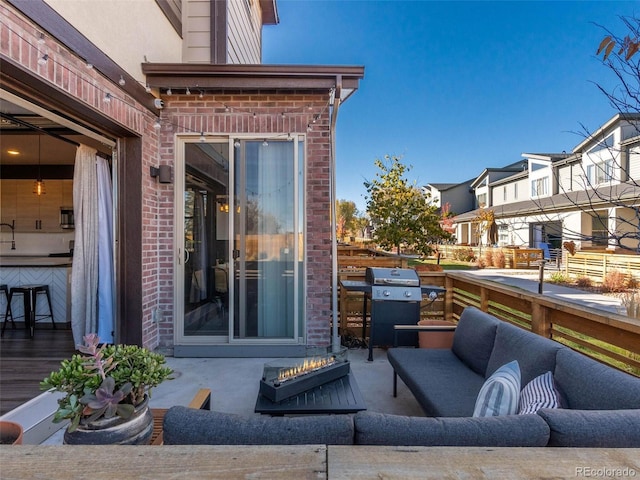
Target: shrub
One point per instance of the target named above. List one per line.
(488, 258)
(480, 263)
(584, 282)
(632, 283)
(499, 260)
(464, 255)
(558, 277)
(614, 281)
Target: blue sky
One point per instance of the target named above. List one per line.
(453, 87)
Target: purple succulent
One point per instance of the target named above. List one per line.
(106, 403)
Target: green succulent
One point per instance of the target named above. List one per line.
(105, 380)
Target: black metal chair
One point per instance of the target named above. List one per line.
(7, 313)
(29, 297)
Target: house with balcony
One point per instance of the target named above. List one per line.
(220, 170)
(589, 196)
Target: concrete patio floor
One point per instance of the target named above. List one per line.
(234, 384)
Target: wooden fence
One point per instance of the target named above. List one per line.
(515, 257)
(608, 337)
(597, 265)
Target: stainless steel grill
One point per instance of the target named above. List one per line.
(395, 300)
(394, 284)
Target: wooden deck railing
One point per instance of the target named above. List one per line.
(610, 338)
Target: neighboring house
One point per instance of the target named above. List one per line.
(458, 196)
(222, 167)
(590, 196)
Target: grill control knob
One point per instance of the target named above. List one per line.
(407, 293)
(386, 293)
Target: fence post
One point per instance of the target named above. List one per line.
(540, 323)
(604, 267)
(484, 299)
(448, 298)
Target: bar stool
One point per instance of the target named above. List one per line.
(29, 296)
(7, 313)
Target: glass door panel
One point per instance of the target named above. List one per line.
(206, 240)
(265, 235)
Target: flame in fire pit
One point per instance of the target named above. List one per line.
(309, 365)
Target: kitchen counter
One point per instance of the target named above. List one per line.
(34, 261)
(16, 270)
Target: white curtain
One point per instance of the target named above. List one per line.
(272, 188)
(105, 252)
(84, 270)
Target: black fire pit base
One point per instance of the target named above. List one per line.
(290, 388)
(339, 396)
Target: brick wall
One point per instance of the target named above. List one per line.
(233, 113)
(19, 42)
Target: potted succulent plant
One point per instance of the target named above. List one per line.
(107, 389)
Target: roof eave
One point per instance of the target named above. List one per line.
(252, 77)
(269, 12)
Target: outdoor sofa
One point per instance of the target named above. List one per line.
(599, 405)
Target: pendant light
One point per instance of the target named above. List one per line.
(38, 185)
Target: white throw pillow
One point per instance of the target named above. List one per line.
(538, 393)
(500, 393)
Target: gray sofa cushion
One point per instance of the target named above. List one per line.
(473, 339)
(535, 354)
(590, 385)
(505, 431)
(593, 428)
(188, 426)
(443, 385)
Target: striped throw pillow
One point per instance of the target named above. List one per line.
(538, 393)
(500, 393)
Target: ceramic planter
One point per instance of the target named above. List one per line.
(135, 430)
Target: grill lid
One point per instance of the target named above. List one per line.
(393, 277)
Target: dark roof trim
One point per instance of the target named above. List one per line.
(623, 193)
(269, 12)
(510, 178)
(56, 26)
(172, 13)
(251, 77)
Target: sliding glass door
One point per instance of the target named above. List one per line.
(242, 262)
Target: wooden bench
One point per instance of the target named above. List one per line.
(202, 401)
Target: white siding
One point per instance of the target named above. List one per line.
(564, 179)
(245, 32)
(114, 27)
(196, 31)
(625, 221)
(634, 164)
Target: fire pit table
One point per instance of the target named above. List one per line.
(319, 383)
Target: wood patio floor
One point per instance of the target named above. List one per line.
(25, 362)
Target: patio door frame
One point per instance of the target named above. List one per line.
(212, 345)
